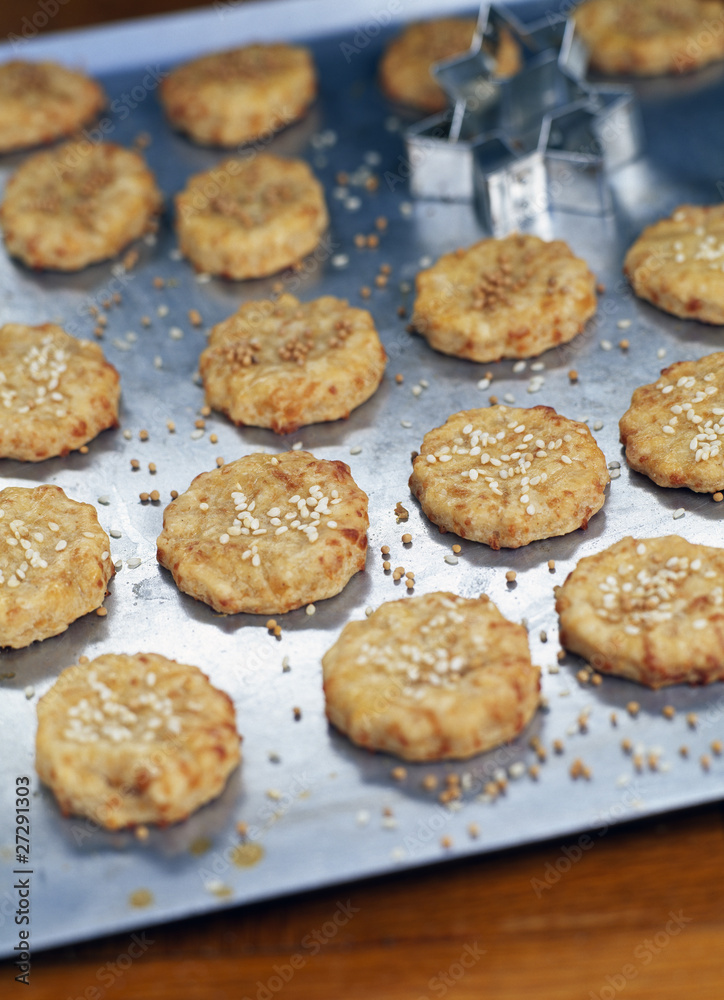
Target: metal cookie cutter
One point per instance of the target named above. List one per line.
(542, 139)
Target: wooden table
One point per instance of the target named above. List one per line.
(640, 914)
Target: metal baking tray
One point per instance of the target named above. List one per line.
(319, 810)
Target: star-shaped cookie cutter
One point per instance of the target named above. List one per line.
(542, 139)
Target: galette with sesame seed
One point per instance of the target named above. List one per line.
(72, 206)
(504, 298)
(509, 476)
(678, 263)
(649, 609)
(229, 98)
(674, 427)
(266, 534)
(434, 677)
(287, 363)
(250, 217)
(55, 563)
(56, 392)
(135, 739)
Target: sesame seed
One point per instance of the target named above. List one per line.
(510, 575)
(62, 544)
(679, 512)
(310, 609)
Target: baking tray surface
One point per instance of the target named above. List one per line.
(320, 811)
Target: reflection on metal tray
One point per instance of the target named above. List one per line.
(320, 810)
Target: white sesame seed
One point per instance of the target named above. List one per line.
(452, 560)
(606, 345)
(679, 512)
(310, 609)
(197, 433)
(133, 562)
(203, 506)
(62, 544)
(623, 324)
